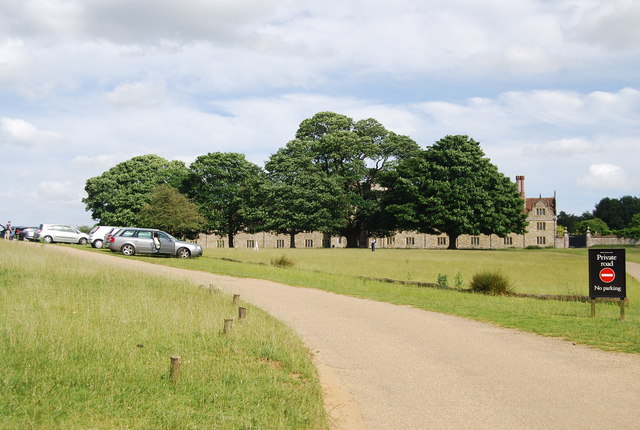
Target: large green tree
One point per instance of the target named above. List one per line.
(297, 196)
(452, 188)
(170, 211)
(117, 196)
(354, 154)
(617, 213)
(222, 185)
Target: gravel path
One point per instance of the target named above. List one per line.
(385, 366)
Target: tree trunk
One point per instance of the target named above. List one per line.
(352, 239)
(231, 239)
(292, 240)
(453, 239)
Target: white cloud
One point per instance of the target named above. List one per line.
(18, 132)
(137, 94)
(567, 148)
(59, 192)
(612, 24)
(606, 177)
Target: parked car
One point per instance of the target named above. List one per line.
(22, 233)
(60, 233)
(29, 232)
(97, 235)
(131, 241)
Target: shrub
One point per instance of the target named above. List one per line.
(443, 281)
(282, 261)
(494, 283)
(459, 281)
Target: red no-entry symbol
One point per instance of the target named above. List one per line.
(607, 275)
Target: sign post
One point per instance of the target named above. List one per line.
(607, 276)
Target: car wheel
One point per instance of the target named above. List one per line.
(183, 253)
(97, 244)
(47, 239)
(128, 250)
(83, 241)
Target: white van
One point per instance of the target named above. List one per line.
(49, 233)
(96, 236)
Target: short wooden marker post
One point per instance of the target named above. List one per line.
(228, 325)
(236, 298)
(593, 308)
(621, 309)
(174, 371)
(242, 313)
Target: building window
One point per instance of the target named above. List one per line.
(251, 243)
(220, 244)
(442, 241)
(340, 239)
(475, 240)
(391, 240)
(308, 243)
(411, 241)
(508, 241)
(542, 226)
(541, 211)
(280, 243)
(542, 240)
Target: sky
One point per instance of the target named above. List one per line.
(550, 88)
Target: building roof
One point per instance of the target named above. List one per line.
(530, 202)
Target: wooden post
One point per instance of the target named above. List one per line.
(593, 308)
(174, 371)
(242, 313)
(621, 309)
(236, 297)
(228, 325)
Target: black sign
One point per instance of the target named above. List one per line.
(607, 273)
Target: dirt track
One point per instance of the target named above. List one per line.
(384, 366)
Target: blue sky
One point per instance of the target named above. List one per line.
(549, 88)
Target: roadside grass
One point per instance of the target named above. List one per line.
(88, 346)
(539, 271)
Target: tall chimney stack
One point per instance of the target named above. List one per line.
(520, 185)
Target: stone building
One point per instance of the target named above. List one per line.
(541, 232)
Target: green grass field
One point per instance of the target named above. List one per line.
(538, 271)
(86, 346)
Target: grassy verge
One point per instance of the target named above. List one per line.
(89, 347)
(531, 271)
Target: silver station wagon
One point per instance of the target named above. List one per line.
(131, 241)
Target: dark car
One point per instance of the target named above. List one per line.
(24, 233)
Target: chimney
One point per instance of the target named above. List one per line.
(520, 185)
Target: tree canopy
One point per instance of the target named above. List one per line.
(170, 211)
(117, 196)
(222, 185)
(617, 213)
(452, 188)
(353, 154)
(297, 196)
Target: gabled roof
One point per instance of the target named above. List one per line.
(549, 202)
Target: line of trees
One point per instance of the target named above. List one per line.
(350, 178)
(610, 216)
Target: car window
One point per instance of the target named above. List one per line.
(164, 236)
(128, 233)
(144, 235)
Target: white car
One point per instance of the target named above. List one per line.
(65, 233)
(97, 235)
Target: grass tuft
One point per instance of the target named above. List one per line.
(493, 283)
(282, 261)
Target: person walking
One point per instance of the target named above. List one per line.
(7, 231)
